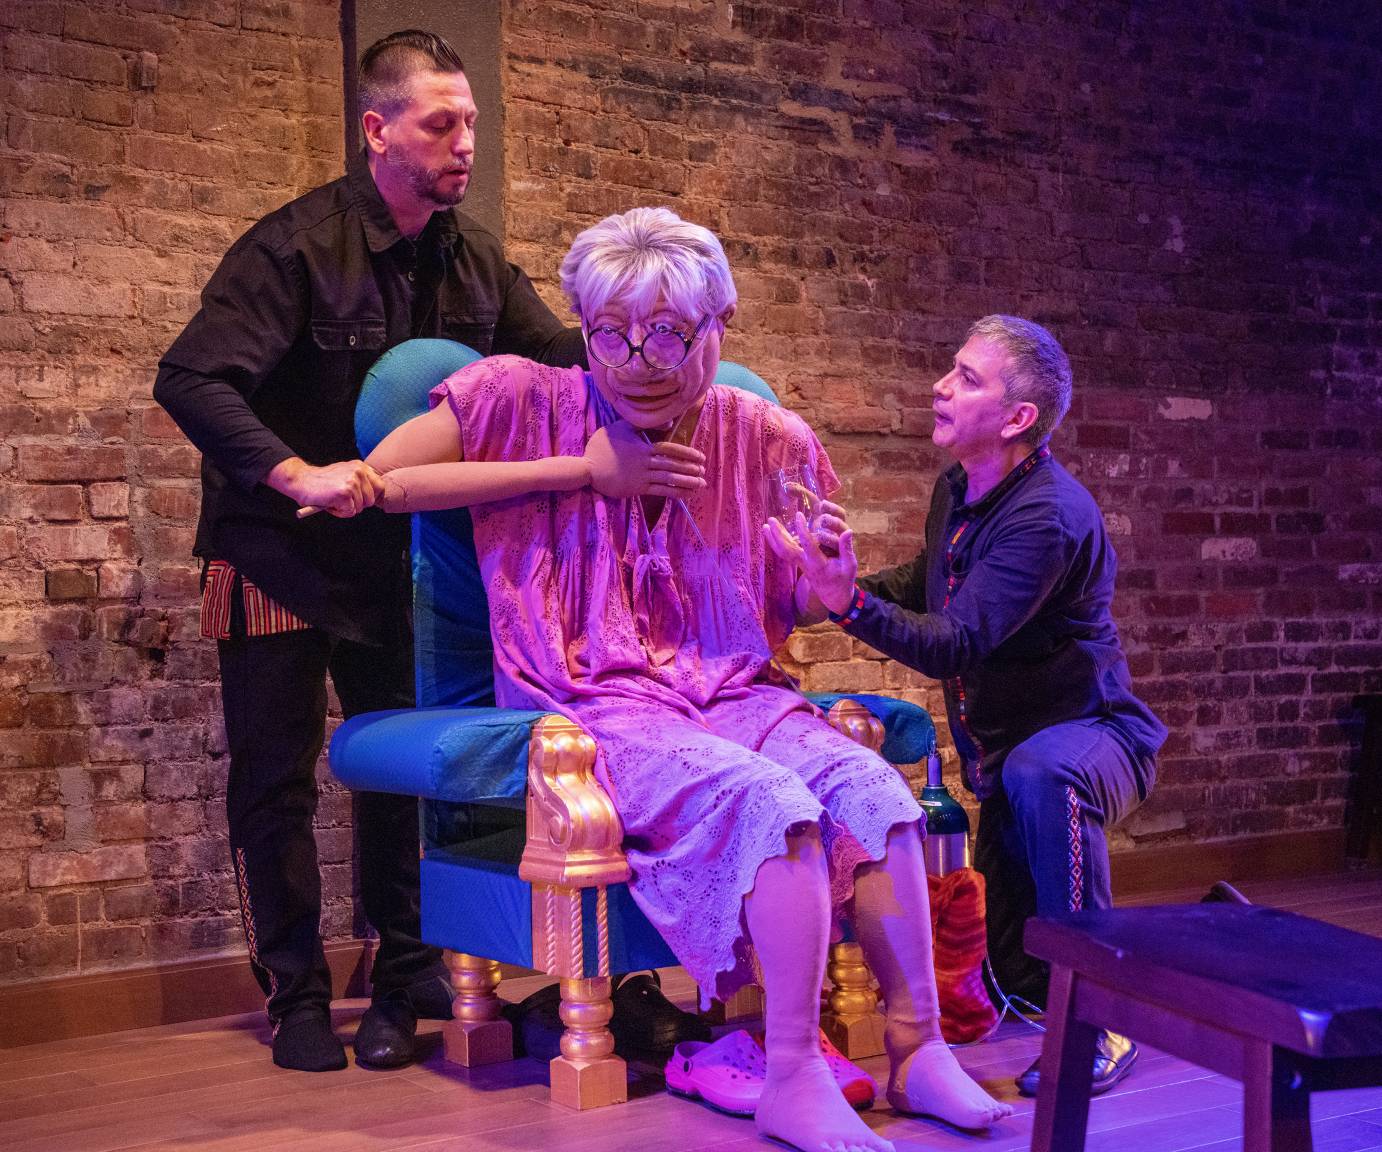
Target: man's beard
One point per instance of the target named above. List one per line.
(422, 182)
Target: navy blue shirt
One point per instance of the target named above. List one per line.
(1009, 606)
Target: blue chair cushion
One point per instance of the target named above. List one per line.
(396, 386)
(455, 754)
(453, 650)
(732, 375)
(480, 755)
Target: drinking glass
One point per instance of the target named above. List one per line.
(793, 490)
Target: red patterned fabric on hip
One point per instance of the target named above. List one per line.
(263, 616)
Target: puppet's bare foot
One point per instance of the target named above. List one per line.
(931, 1082)
(803, 1106)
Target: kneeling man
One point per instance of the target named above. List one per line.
(1008, 605)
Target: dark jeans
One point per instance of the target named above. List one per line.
(1041, 844)
(273, 689)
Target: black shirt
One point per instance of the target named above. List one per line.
(1009, 605)
(271, 366)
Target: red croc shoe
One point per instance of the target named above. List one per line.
(859, 1088)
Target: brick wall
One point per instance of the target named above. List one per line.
(1185, 193)
(140, 139)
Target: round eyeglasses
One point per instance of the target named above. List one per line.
(663, 346)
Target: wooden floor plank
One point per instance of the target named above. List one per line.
(1356, 1101)
(1179, 1132)
(210, 1087)
(394, 1123)
(17, 1090)
(233, 1034)
(1347, 1133)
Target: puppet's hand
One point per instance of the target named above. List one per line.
(831, 574)
(623, 464)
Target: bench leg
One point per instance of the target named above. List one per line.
(1067, 1068)
(1276, 1101)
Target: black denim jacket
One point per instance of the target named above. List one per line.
(271, 366)
(1009, 605)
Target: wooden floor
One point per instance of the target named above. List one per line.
(210, 1086)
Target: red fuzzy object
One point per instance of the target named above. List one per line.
(957, 924)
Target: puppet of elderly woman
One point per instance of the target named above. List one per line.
(651, 621)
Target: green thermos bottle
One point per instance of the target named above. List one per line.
(946, 846)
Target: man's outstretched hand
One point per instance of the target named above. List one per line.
(825, 556)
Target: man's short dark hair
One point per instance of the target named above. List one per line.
(1038, 371)
(388, 65)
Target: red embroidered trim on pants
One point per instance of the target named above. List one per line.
(1072, 815)
(247, 919)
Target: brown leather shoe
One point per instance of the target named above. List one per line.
(1114, 1056)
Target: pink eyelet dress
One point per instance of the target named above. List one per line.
(658, 639)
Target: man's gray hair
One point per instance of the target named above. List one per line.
(645, 253)
(1037, 372)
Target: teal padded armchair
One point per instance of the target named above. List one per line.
(522, 861)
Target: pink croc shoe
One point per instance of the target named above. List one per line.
(726, 1073)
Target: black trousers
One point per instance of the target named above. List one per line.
(273, 689)
(1041, 845)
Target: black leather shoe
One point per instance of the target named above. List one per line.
(386, 1033)
(537, 1025)
(305, 1042)
(646, 1022)
(431, 998)
(1114, 1056)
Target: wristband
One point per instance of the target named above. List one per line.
(850, 614)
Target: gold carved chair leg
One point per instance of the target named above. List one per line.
(476, 1034)
(573, 843)
(746, 1004)
(587, 1074)
(854, 1024)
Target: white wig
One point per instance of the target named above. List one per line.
(643, 254)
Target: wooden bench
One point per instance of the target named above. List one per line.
(1283, 1004)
